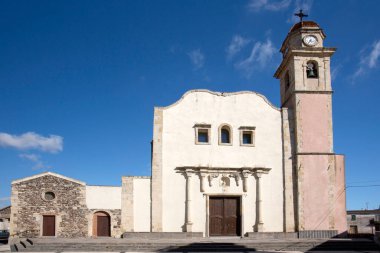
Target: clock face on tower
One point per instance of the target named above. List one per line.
(310, 40)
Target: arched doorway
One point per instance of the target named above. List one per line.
(101, 224)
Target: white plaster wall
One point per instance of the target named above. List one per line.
(179, 149)
(141, 204)
(4, 225)
(103, 197)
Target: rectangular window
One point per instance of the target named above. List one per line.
(353, 217)
(202, 133)
(247, 136)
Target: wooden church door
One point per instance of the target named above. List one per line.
(224, 216)
(103, 226)
(48, 225)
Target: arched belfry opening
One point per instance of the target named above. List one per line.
(312, 69)
(101, 224)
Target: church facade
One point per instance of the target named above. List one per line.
(223, 164)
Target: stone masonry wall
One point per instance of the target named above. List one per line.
(5, 212)
(29, 206)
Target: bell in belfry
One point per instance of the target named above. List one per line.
(311, 71)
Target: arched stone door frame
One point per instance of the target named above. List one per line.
(96, 218)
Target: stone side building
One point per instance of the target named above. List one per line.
(223, 164)
(50, 204)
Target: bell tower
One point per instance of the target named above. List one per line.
(314, 186)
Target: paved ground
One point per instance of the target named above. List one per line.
(4, 247)
(84, 245)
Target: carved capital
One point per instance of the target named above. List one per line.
(211, 177)
(236, 176)
(245, 174)
(188, 173)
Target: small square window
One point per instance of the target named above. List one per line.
(203, 135)
(247, 136)
(353, 217)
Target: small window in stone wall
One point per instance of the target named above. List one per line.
(49, 196)
(353, 217)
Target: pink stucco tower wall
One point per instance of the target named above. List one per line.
(315, 200)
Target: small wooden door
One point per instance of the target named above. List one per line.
(103, 226)
(48, 225)
(353, 230)
(225, 216)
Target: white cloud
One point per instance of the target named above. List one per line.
(30, 157)
(38, 164)
(30, 140)
(197, 58)
(335, 71)
(276, 5)
(236, 45)
(374, 55)
(261, 54)
(369, 59)
(305, 5)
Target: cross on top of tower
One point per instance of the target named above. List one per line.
(301, 15)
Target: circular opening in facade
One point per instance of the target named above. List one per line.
(49, 196)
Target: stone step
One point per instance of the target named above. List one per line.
(337, 245)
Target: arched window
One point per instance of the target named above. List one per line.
(312, 69)
(225, 135)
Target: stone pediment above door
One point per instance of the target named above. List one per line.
(224, 176)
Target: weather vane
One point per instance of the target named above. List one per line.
(301, 15)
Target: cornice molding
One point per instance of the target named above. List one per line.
(219, 94)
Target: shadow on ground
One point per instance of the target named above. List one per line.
(301, 245)
(347, 245)
(209, 247)
(240, 245)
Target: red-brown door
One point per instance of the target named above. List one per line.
(225, 216)
(48, 225)
(103, 226)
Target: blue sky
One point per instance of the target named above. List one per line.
(79, 79)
